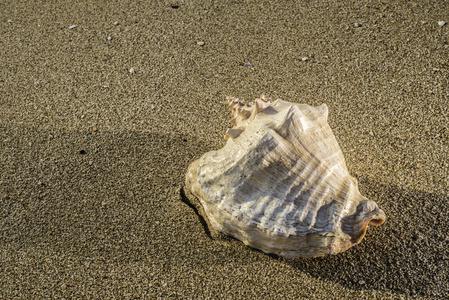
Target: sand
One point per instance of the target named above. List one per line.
(93, 156)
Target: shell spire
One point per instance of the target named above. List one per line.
(243, 113)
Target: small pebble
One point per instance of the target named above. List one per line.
(200, 43)
(109, 38)
(441, 23)
(304, 59)
(9, 21)
(361, 282)
(72, 27)
(247, 64)
(116, 23)
(357, 25)
(132, 71)
(424, 22)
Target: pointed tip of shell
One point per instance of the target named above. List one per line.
(262, 104)
(244, 113)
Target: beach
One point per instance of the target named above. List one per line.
(104, 104)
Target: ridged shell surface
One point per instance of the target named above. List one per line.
(280, 184)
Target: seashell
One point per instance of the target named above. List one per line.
(280, 184)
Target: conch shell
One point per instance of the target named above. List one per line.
(280, 184)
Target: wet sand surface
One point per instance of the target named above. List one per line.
(103, 105)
